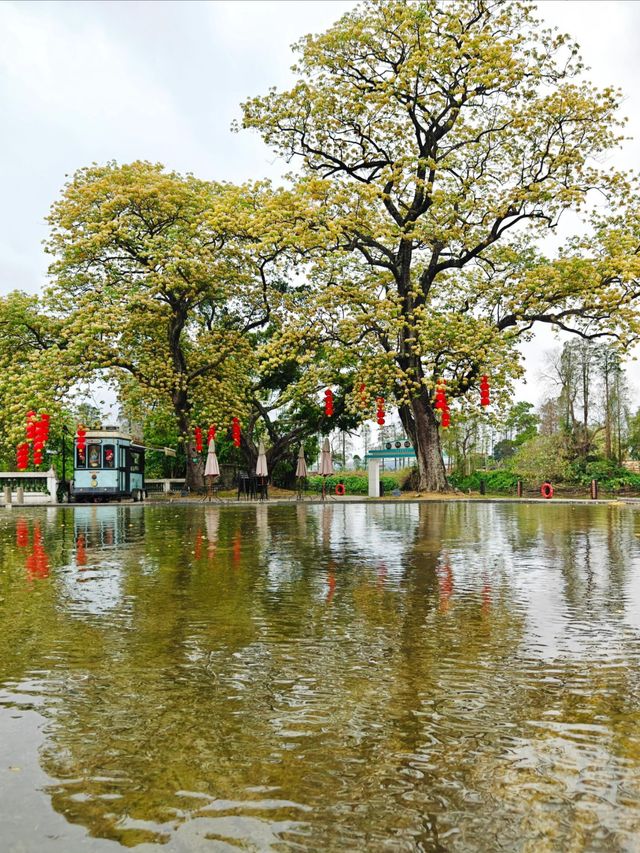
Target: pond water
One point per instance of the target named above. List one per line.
(381, 677)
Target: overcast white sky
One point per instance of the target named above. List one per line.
(162, 81)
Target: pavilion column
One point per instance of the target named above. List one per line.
(373, 469)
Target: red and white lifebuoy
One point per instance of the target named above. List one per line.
(340, 489)
(546, 490)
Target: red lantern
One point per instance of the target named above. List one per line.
(441, 403)
(235, 432)
(211, 435)
(328, 402)
(198, 435)
(31, 425)
(484, 391)
(38, 435)
(441, 398)
(22, 456)
(81, 438)
(45, 421)
(380, 411)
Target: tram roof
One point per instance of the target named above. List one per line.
(114, 434)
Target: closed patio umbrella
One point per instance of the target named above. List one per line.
(301, 471)
(261, 469)
(301, 468)
(211, 468)
(261, 465)
(326, 465)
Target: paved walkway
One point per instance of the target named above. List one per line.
(350, 499)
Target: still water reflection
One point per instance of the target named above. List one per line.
(359, 677)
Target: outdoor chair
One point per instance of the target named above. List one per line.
(247, 487)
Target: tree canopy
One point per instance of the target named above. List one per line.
(440, 140)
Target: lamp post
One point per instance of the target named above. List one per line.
(63, 483)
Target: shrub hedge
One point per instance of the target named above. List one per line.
(356, 482)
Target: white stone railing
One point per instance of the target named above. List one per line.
(169, 485)
(28, 487)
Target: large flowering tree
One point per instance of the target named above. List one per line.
(439, 142)
(159, 280)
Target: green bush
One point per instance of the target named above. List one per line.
(496, 482)
(544, 457)
(604, 471)
(357, 482)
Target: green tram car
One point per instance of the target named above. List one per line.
(109, 467)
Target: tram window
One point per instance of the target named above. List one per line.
(136, 462)
(109, 456)
(94, 456)
(81, 457)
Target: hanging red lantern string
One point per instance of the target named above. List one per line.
(380, 410)
(211, 435)
(441, 403)
(484, 391)
(440, 398)
(235, 432)
(31, 425)
(328, 403)
(198, 436)
(38, 442)
(45, 421)
(22, 456)
(81, 443)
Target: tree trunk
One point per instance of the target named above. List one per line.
(194, 473)
(195, 470)
(419, 420)
(607, 416)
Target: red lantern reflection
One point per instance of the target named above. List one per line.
(236, 549)
(445, 584)
(22, 533)
(331, 582)
(81, 553)
(486, 597)
(37, 563)
(197, 551)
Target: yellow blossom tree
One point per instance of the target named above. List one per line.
(439, 141)
(162, 278)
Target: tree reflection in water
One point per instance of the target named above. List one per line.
(432, 676)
